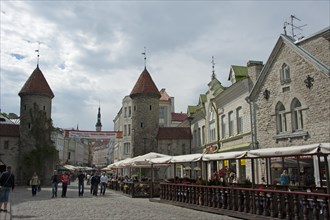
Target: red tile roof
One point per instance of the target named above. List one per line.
(36, 85)
(175, 133)
(9, 130)
(179, 116)
(145, 85)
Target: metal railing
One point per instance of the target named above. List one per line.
(263, 202)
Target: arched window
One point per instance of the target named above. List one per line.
(285, 73)
(297, 116)
(280, 118)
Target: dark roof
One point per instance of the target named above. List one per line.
(9, 130)
(145, 85)
(175, 133)
(179, 116)
(36, 85)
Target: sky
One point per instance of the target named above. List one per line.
(90, 52)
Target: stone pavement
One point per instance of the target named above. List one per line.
(113, 206)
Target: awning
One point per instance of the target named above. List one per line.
(286, 151)
(186, 158)
(224, 156)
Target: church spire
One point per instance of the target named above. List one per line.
(98, 123)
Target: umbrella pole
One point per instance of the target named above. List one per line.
(152, 180)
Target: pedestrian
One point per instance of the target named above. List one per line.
(54, 181)
(65, 182)
(81, 180)
(34, 183)
(104, 182)
(284, 179)
(95, 181)
(90, 182)
(7, 182)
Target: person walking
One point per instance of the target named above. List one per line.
(104, 182)
(65, 182)
(81, 181)
(34, 183)
(54, 182)
(95, 181)
(7, 182)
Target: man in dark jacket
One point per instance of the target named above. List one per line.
(81, 181)
(95, 181)
(7, 182)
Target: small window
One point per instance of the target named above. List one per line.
(285, 74)
(141, 125)
(150, 107)
(127, 148)
(24, 107)
(44, 108)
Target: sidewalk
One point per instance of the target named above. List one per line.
(113, 206)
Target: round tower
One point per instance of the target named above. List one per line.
(36, 96)
(145, 115)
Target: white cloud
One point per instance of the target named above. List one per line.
(90, 52)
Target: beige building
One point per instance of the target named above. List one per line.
(291, 103)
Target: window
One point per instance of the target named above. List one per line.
(297, 116)
(125, 130)
(6, 145)
(125, 112)
(280, 118)
(203, 135)
(129, 130)
(285, 74)
(129, 111)
(223, 126)
(212, 132)
(127, 148)
(239, 120)
(231, 123)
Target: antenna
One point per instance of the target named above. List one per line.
(213, 71)
(293, 27)
(38, 53)
(145, 57)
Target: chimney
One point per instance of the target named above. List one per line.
(254, 69)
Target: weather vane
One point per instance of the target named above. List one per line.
(213, 71)
(145, 57)
(38, 53)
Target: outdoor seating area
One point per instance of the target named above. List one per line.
(264, 198)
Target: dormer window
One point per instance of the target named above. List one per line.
(285, 74)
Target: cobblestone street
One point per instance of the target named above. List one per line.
(113, 205)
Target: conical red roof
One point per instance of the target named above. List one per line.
(36, 85)
(145, 85)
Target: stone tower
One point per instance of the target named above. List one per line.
(35, 94)
(145, 115)
(98, 123)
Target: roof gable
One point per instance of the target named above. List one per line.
(285, 40)
(179, 116)
(36, 85)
